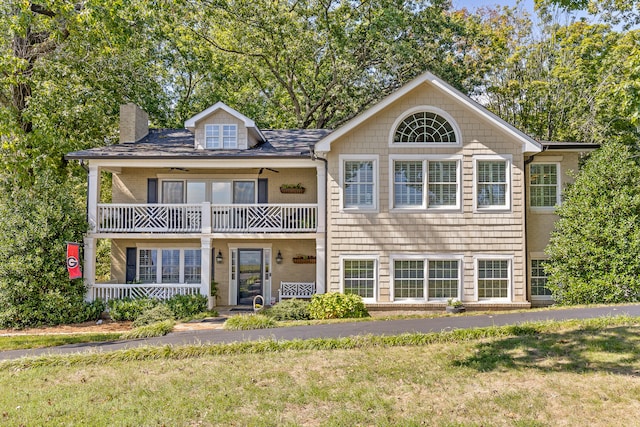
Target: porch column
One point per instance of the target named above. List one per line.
(321, 260)
(321, 179)
(205, 270)
(206, 218)
(89, 266)
(93, 195)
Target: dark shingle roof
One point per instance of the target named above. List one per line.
(560, 145)
(179, 143)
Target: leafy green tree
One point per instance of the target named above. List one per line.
(35, 224)
(318, 63)
(596, 242)
(578, 82)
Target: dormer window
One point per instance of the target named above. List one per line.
(425, 126)
(221, 136)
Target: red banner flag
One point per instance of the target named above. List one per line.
(73, 261)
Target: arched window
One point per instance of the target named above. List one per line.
(425, 127)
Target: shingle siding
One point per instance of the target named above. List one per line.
(462, 232)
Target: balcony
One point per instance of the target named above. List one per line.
(204, 218)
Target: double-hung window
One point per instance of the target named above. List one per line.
(359, 177)
(539, 288)
(544, 185)
(426, 278)
(493, 278)
(426, 184)
(359, 276)
(492, 183)
(223, 136)
(170, 265)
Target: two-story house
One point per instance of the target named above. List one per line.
(425, 196)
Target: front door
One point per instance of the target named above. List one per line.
(250, 278)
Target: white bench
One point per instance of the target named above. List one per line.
(296, 290)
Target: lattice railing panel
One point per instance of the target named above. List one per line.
(108, 292)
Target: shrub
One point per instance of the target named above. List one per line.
(35, 223)
(593, 250)
(157, 329)
(335, 305)
(156, 314)
(291, 309)
(249, 321)
(130, 309)
(184, 306)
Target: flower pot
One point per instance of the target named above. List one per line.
(452, 309)
(292, 190)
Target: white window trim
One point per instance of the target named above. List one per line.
(508, 158)
(430, 109)
(220, 136)
(545, 209)
(476, 276)
(376, 274)
(425, 172)
(376, 180)
(159, 247)
(426, 258)
(537, 256)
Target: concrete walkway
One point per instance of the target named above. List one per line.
(379, 327)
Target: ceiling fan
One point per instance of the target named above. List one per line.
(269, 169)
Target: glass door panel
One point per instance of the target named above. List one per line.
(249, 275)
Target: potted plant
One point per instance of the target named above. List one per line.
(454, 305)
(292, 188)
(304, 259)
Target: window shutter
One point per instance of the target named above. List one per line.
(131, 265)
(263, 190)
(152, 190)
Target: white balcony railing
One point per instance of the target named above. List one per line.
(265, 218)
(109, 291)
(189, 218)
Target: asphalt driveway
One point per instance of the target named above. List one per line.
(378, 327)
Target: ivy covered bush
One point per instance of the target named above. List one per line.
(335, 305)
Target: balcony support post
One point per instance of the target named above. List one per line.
(321, 177)
(321, 259)
(89, 266)
(205, 271)
(206, 217)
(93, 195)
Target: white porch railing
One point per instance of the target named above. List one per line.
(292, 218)
(109, 291)
(163, 218)
(183, 218)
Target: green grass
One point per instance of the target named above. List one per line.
(245, 322)
(18, 342)
(536, 374)
(157, 329)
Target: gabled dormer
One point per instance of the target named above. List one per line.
(220, 127)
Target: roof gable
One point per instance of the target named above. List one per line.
(528, 144)
(248, 123)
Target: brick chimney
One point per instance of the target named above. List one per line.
(134, 123)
